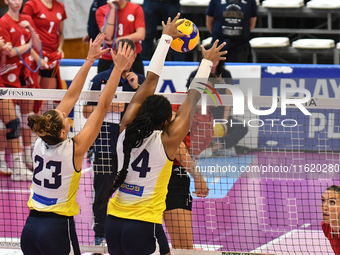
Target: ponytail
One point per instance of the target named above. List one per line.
(154, 111)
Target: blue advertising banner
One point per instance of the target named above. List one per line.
(319, 131)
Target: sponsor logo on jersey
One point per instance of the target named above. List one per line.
(132, 189)
(131, 18)
(12, 30)
(11, 77)
(43, 16)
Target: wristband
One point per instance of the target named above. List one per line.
(158, 58)
(201, 76)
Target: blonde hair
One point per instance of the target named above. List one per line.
(47, 126)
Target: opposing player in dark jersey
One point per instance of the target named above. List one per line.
(50, 227)
(146, 148)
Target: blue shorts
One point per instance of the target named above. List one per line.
(131, 237)
(49, 233)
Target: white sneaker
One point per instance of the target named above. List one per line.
(4, 169)
(21, 173)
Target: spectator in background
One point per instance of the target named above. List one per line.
(3, 8)
(18, 30)
(130, 25)
(231, 21)
(92, 26)
(155, 12)
(48, 17)
(105, 156)
(232, 134)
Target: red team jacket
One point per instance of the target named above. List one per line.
(334, 239)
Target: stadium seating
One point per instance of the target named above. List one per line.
(271, 44)
(322, 4)
(283, 3)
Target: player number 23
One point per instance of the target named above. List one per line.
(54, 166)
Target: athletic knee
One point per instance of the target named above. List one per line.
(13, 129)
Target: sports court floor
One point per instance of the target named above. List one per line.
(268, 215)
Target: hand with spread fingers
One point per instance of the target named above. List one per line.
(95, 50)
(123, 56)
(214, 53)
(170, 28)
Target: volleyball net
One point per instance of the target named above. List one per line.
(264, 191)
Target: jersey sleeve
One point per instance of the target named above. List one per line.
(253, 9)
(30, 20)
(5, 31)
(28, 8)
(140, 22)
(64, 12)
(100, 16)
(94, 86)
(141, 79)
(211, 8)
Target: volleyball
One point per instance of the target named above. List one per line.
(219, 130)
(185, 44)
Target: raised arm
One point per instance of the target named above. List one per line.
(72, 94)
(180, 126)
(85, 138)
(148, 87)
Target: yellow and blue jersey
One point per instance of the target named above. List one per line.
(55, 179)
(142, 195)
